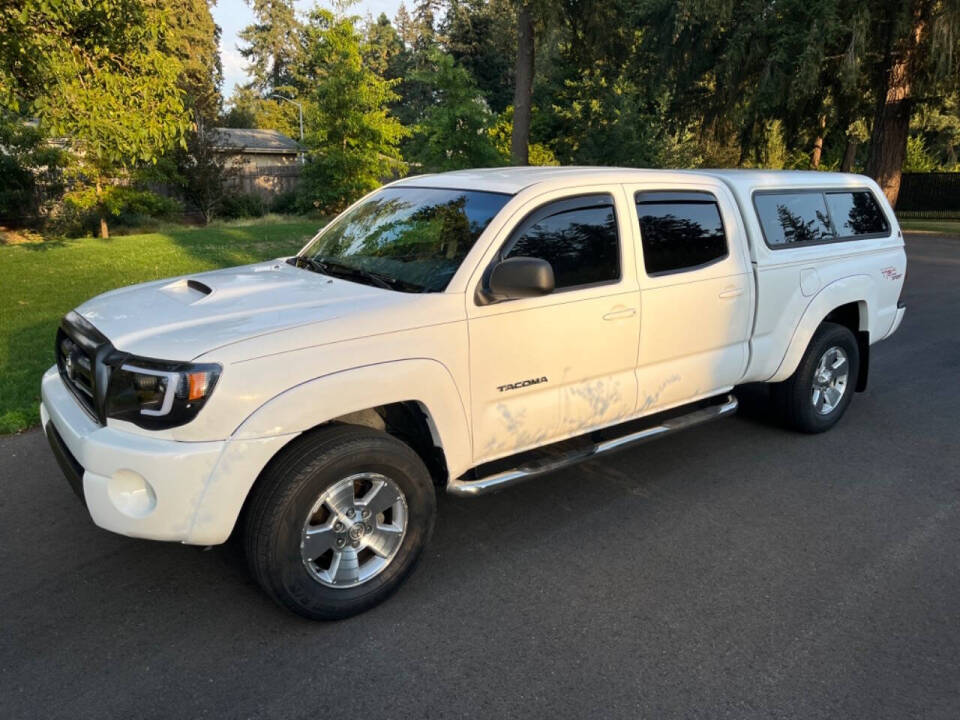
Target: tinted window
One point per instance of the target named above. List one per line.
(679, 235)
(793, 217)
(856, 213)
(415, 236)
(580, 242)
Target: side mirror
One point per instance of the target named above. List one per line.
(519, 277)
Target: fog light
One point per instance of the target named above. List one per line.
(131, 494)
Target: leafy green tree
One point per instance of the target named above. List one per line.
(454, 132)
(353, 139)
(97, 75)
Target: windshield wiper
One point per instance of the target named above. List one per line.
(308, 263)
(335, 268)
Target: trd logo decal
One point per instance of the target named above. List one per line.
(891, 273)
(521, 384)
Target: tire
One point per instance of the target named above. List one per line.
(802, 409)
(301, 504)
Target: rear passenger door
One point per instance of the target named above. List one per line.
(697, 294)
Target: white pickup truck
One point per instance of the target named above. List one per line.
(461, 331)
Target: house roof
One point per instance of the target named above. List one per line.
(250, 140)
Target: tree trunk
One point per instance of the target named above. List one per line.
(888, 143)
(101, 210)
(818, 145)
(849, 156)
(523, 90)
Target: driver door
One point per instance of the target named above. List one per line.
(550, 367)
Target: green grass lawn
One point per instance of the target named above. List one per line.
(944, 227)
(39, 282)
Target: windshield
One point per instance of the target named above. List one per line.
(407, 238)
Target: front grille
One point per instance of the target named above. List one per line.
(80, 351)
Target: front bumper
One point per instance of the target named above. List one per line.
(147, 487)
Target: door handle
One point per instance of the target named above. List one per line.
(730, 292)
(620, 314)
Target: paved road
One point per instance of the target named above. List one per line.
(736, 570)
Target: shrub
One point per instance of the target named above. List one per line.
(242, 205)
(126, 206)
(285, 203)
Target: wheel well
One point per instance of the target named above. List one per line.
(410, 422)
(854, 316)
(407, 421)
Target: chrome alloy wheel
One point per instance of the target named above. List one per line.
(354, 530)
(830, 380)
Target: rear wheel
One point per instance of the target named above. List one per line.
(338, 521)
(815, 397)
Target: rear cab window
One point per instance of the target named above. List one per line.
(813, 216)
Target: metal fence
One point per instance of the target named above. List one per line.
(929, 195)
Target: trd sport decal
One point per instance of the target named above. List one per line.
(521, 384)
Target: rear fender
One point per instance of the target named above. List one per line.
(858, 289)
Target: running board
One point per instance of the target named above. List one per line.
(471, 488)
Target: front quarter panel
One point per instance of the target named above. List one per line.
(422, 380)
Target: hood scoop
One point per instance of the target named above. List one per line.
(186, 291)
(199, 287)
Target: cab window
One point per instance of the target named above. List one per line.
(577, 236)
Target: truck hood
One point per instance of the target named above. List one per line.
(183, 318)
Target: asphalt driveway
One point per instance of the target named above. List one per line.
(734, 570)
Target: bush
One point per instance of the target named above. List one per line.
(242, 205)
(285, 204)
(128, 207)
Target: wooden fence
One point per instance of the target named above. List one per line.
(267, 181)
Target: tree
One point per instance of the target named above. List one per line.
(194, 39)
(454, 131)
(352, 137)
(31, 170)
(272, 48)
(921, 58)
(204, 172)
(481, 37)
(382, 48)
(98, 76)
(523, 85)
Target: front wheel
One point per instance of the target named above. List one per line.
(815, 397)
(338, 521)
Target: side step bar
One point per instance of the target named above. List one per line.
(472, 488)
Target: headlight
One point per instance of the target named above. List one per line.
(156, 395)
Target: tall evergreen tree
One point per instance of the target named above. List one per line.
(194, 38)
(272, 44)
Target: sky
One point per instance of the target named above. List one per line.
(234, 15)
